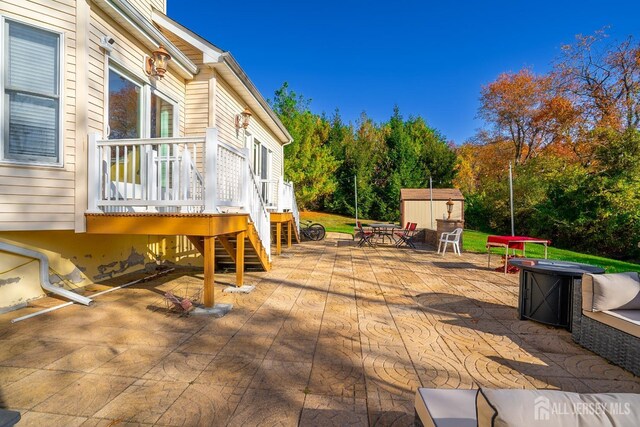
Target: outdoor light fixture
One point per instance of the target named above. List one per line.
(449, 207)
(242, 119)
(157, 65)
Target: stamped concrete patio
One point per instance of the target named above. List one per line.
(331, 336)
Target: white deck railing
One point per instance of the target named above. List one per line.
(258, 211)
(190, 174)
(287, 200)
(150, 175)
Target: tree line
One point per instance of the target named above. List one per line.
(573, 137)
(328, 157)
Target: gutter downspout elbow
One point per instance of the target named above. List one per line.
(44, 272)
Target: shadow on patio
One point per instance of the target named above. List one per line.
(330, 336)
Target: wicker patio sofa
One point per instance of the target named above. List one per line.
(606, 317)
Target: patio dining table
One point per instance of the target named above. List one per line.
(385, 230)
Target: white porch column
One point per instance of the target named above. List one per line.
(211, 171)
(93, 173)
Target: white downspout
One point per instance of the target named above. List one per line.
(44, 272)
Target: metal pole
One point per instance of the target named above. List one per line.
(355, 184)
(431, 199)
(513, 233)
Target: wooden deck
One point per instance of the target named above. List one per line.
(234, 233)
(284, 229)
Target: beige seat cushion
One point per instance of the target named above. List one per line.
(619, 291)
(524, 408)
(624, 320)
(446, 407)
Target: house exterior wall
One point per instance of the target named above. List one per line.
(419, 211)
(42, 197)
(75, 260)
(45, 197)
(226, 104)
(128, 54)
(42, 207)
(146, 6)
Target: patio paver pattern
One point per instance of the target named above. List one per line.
(330, 336)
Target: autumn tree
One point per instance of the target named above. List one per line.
(604, 78)
(524, 109)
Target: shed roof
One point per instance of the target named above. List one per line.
(425, 194)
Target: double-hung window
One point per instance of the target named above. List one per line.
(31, 91)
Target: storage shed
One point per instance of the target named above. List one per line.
(415, 205)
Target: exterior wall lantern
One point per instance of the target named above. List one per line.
(242, 119)
(156, 66)
(449, 207)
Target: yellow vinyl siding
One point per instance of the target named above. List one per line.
(228, 105)
(129, 55)
(41, 197)
(146, 6)
(197, 107)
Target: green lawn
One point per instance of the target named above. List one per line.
(474, 241)
(332, 222)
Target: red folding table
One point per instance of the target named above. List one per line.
(512, 242)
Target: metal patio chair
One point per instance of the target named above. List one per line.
(365, 236)
(405, 238)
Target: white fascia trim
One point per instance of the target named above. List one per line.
(209, 53)
(150, 33)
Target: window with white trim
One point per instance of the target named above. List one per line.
(31, 95)
(136, 109)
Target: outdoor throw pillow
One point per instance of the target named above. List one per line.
(549, 408)
(620, 291)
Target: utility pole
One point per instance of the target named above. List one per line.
(513, 232)
(355, 184)
(431, 199)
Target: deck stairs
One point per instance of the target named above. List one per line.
(255, 255)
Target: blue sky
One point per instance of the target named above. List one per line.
(429, 58)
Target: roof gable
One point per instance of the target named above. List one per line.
(425, 194)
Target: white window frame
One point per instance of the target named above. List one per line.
(155, 91)
(124, 74)
(61, 95)
(145, 109)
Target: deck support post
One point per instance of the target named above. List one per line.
(278, 238)
(240, 258)
(209, 268)
(289, 230)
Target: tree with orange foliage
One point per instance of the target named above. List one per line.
(523, 108)
(481, 164)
